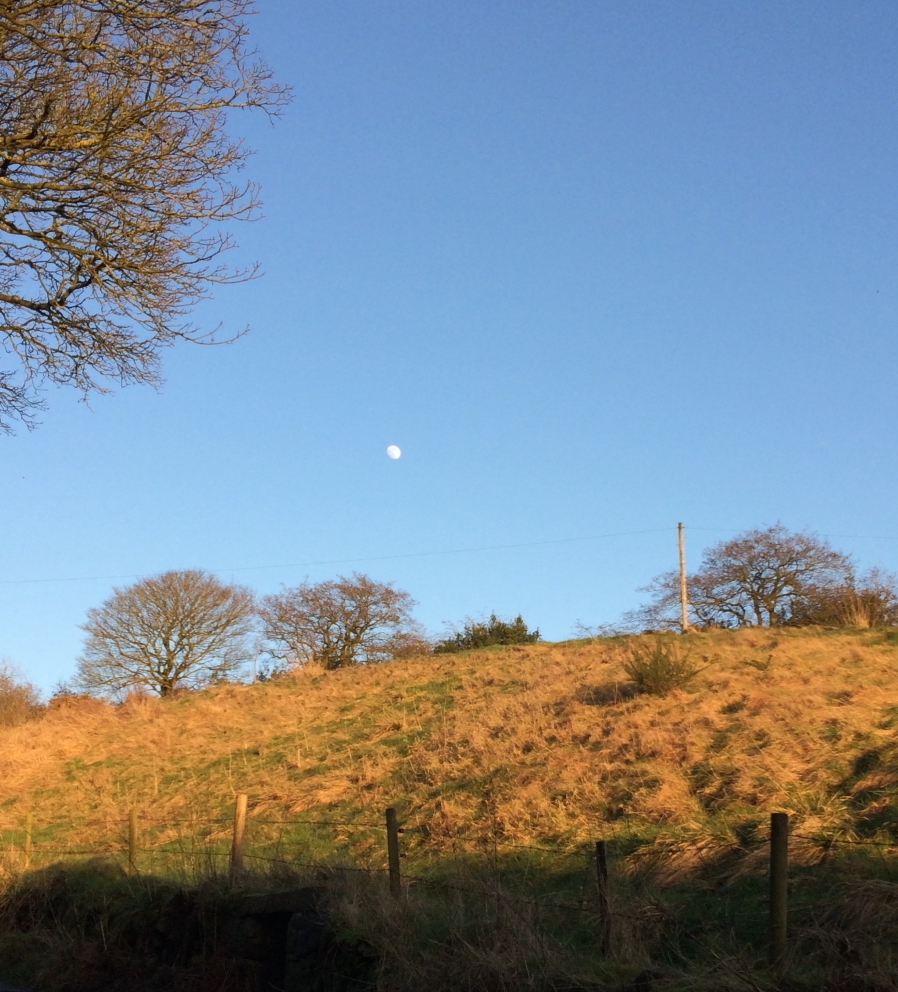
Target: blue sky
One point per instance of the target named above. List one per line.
(594, 267)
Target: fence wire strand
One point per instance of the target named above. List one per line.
(36, 850)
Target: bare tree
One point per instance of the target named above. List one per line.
(759, 578)
(114, 167)
(341, 622)
(180, 629)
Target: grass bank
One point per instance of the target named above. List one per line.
(506, 766)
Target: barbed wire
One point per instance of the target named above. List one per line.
(316, 865)
(90, 852)
(164, 819)
(498, 846)
(546, 850)
(502, 847)
(200, 821)
(320, 823)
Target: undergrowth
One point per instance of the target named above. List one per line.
(517, 923)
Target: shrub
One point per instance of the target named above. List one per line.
(483, 633)
(19, 700)
(76, 702)
(658, 668)
(868, 600)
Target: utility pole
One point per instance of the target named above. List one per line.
(684, 595)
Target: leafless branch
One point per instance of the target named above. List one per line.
(115, 165)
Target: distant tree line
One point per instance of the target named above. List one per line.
(188, 629)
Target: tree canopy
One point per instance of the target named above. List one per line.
(763, 577)
(180, 629)
(115, 166)
(340, 622)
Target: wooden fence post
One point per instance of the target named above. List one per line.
(132, 842)
(393, 853)
(604, 897)
(29, 830)
(239, 829)
(779, 887)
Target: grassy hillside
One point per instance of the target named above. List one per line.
(505, 765)
(544, 745)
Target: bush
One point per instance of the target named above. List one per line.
(658, 668)
(868, 600)
(76, 702)
(19, 700)
(482, 634)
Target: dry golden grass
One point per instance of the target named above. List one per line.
(543, 744)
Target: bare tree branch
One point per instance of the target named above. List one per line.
(114, 167)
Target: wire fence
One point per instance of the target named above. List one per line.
(582, 891)
(205, 833)
(221, 843)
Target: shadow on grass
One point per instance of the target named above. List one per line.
(607, 693)
(527, 920)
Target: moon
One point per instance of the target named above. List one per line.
(394, 451)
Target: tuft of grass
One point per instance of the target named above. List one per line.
(659, 667)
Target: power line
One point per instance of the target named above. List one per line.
(426, 554)
(350, 561)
